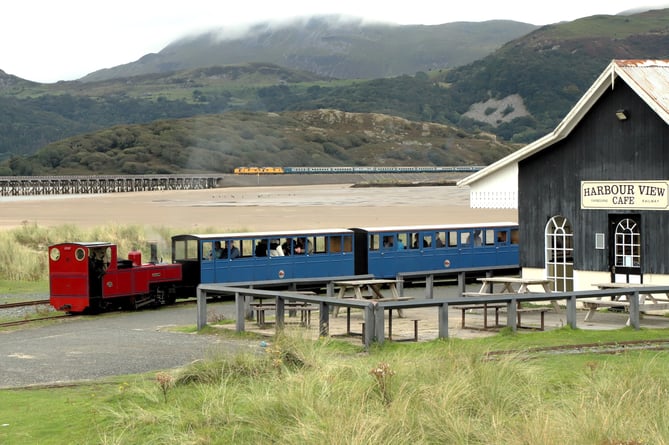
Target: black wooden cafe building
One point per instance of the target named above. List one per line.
(593, 195)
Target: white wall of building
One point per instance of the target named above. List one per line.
(498, 190)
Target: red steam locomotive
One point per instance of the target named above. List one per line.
(90, 277)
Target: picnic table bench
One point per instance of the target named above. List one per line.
(647, 301)
(305, 310)
(370, 289)
(501, 307)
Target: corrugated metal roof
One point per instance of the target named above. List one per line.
(648, 78)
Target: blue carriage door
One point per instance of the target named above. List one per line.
(446, 250)
(207, 272)
(466, 248)
(340, 248)
(374, 255)
(280, 263)
(507, 246)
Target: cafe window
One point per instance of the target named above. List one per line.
(628, 244)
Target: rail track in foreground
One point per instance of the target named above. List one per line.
(615, 347)
(25, 321)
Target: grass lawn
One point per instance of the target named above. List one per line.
(293, 390)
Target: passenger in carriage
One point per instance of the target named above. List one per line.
(387, 242)
(219, 252)
(416, 242)
(261, 248)
(287, 245)
(234, 251)
(302, 246)
(275, 248)
(299, 248)
(477, 238)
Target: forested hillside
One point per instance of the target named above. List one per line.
(513, 96)
(220, 142)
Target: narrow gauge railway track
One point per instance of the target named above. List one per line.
(616, 347)
(31, 320)
(23, 304)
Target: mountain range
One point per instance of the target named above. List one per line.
(503, 82)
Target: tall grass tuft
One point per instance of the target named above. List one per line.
(23, 250)
(441, 392)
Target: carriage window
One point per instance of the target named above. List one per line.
(260, 248)
(246, 247)
(348, 243)
(319, 244)
(275, 247)
(441, 237)
(427, 240)
(178, 250)
(374, 242)
(207, 251)
(402, 241)
(489, 238)
(186, 250)
(415, 241)
(452, 239)
(335, 244)
(303, 245)
(515, 236)
(465, 238)
(502, 237)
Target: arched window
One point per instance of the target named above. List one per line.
(628, 244)
(559, 245)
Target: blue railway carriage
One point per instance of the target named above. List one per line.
(260, 256)
(386, 251)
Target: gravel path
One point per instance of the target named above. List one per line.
(87, 348)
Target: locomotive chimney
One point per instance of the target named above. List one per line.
(154, 252)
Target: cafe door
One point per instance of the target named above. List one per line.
(625, 256)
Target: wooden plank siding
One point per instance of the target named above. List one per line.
(599, 148)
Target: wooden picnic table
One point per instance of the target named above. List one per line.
(523, 286)
(370, 289)
(647, 300)
(508, 283)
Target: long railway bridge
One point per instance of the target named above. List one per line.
(63, 185)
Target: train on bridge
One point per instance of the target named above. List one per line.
(356, 169)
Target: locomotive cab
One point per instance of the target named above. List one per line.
(76, 273)
(90, 277)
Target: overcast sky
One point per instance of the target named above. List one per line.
(51, 40)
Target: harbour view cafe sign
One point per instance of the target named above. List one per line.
(636, 195)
